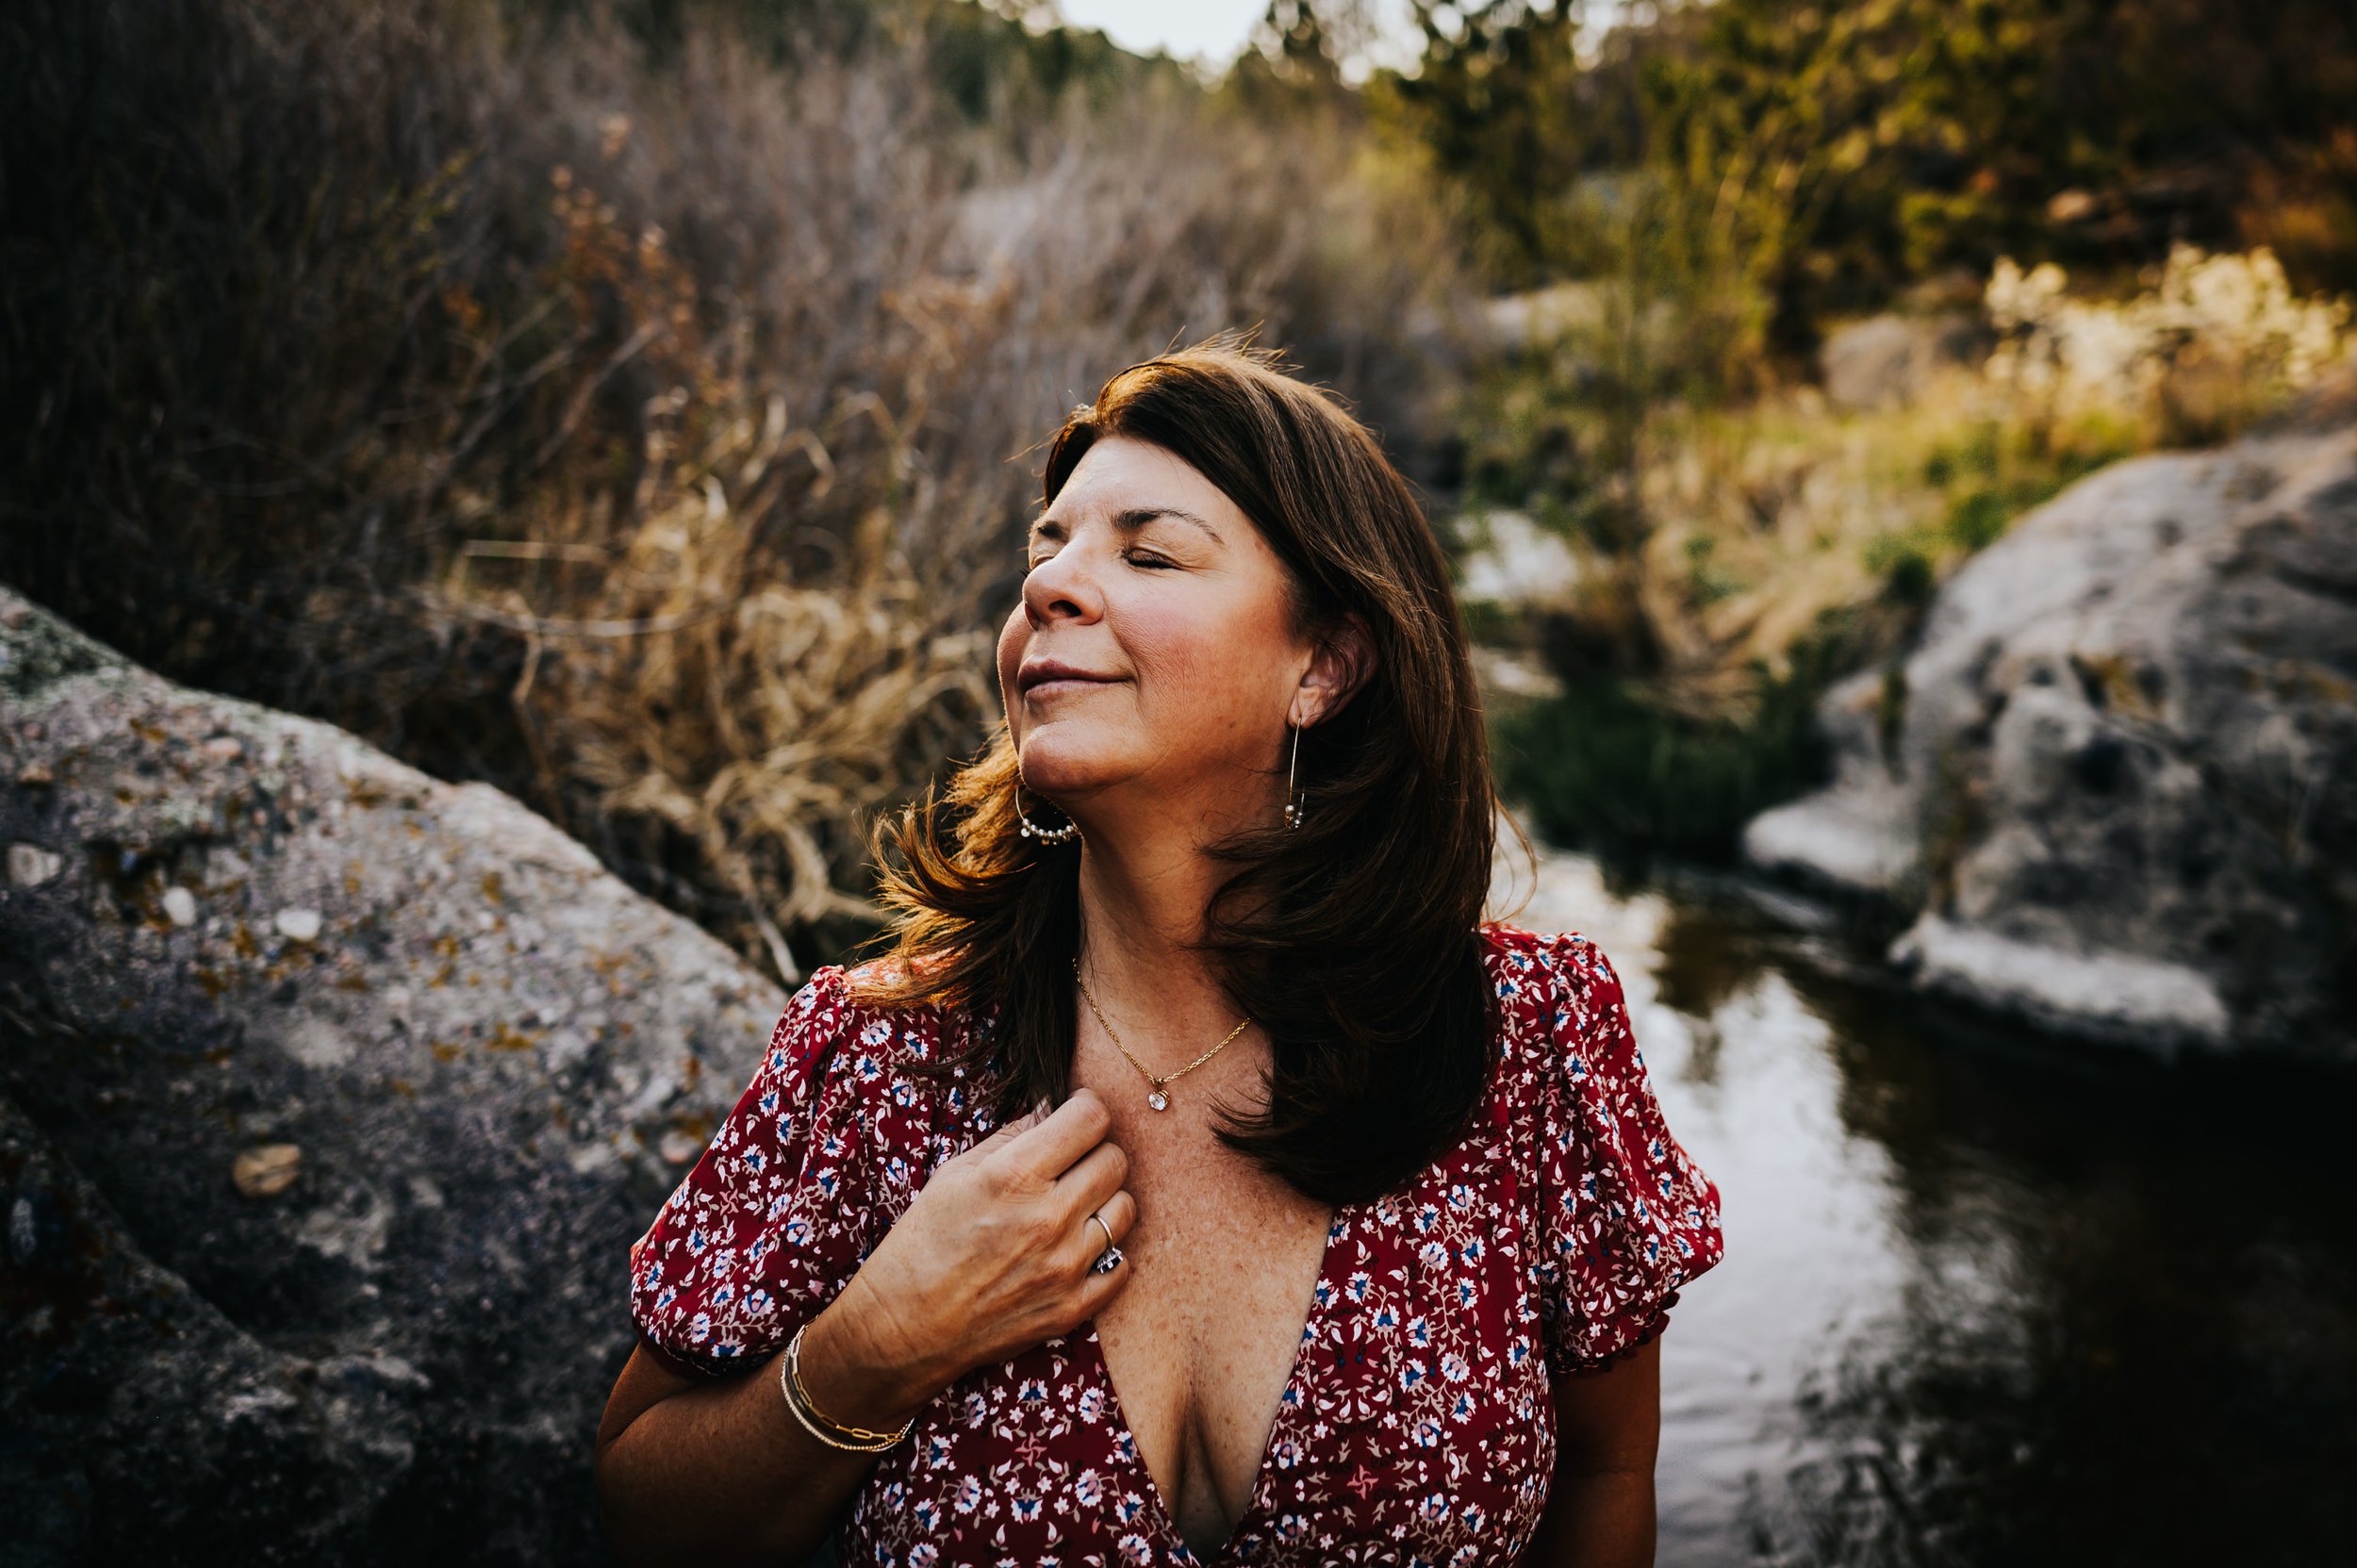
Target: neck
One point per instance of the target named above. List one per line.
(1144, 883)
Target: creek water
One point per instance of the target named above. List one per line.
(1987, 1299)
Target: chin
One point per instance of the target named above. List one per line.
(1064, 766)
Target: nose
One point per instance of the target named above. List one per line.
(1063, 587)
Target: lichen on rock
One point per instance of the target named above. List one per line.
(228, 934)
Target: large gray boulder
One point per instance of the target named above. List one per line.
(331, 1098)
(2114, 789)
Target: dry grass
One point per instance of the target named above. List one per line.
(640, 433)
(1780, 512)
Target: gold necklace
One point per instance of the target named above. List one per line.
(1157, 1094)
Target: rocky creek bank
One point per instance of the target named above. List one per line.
(2111, 791)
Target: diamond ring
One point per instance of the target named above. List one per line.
(1110, 1259)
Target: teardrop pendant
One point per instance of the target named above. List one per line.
(1159, 1100)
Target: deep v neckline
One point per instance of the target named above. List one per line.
(1293, 1397)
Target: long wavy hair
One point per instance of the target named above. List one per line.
(1353, 941)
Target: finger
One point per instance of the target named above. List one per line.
(1087, 1244)
(1047, 1151)
(1094, 1177)
(1120, 1214)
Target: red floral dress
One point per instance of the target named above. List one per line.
(1417, 1425)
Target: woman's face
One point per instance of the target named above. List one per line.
(1153, 587)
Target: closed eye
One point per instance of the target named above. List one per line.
(1135, 558)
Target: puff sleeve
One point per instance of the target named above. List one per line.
(1626, 1216)
(774, 1219)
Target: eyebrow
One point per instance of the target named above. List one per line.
(1135, 518)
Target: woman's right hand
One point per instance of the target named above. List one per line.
(991, 1257)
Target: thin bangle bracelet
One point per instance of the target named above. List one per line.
(794, 1371)
(813, 1429)
(817, 1422)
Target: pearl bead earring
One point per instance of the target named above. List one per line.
(1029, 829)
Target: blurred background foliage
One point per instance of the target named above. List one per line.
(633, 403)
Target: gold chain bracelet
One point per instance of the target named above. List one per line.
(833, 1433)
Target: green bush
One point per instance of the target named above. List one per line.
(1614, 767)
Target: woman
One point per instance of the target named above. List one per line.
(1198, 1179)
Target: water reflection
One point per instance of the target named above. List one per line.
(1988, 1299)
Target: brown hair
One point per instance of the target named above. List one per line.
(1353, 941)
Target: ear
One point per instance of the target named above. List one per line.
(1344, 661)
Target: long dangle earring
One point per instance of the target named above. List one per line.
(1029, 829)
(1293, 804)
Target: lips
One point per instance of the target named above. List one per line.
(1047, 672)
